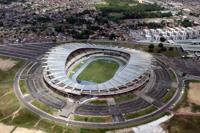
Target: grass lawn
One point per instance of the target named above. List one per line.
(184, 100)
(8, 104)
(184, 124)
(23, 87)
(140, 113)
(8, 101)
(169, 95)
(25, 118)
(173, 76)
(44, 107)
(93, 118)
(98, 102)
(11, 112)
(124, 97)
(99, 71)
(83, 130)
(173, 53)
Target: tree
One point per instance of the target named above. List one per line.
(151, 47)
(160, 45)
(1, 39)
(162, 39)
(164, 49)
(112, 36)
(186, 23)
(171, 48)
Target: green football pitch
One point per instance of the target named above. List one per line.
(99, 71)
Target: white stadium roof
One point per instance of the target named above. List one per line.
(55, 64)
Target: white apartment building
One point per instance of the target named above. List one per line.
(175, 34)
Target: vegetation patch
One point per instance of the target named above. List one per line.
(185, 102)
(98, 102)
(25, 118)
(8, 104)
(23, 87)
(124, 97)
(12, 113)
(161, 49)
(44, 107)
(99, 119)
(169, 95)
(184, 124)
(122, 9)
(84, 130)
(99, 71)
(173, 76)
(140, 113)
(195, 107)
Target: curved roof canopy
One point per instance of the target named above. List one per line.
(55, 64)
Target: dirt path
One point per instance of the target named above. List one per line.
(7, 64)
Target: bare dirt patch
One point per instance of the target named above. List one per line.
(25, 130)
(194, 93)
(184, 110)
(7, 64)
(5, 128)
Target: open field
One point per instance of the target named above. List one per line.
(184, 124)
(187, 104)
(6, 64)
(44, 107)
(194, 93)
(130, 9)
(8, 102)
(25, 130)
(13, 114)
(99, 71)
(5, 128)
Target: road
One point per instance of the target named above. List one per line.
(45, 115)
(89, 124)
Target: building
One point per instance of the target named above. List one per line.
(59, 61)
(174, 34)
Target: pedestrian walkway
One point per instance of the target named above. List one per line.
(153, 127)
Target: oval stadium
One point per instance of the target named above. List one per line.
(64, 65)
(97, 86)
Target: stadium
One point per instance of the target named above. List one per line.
(96, 85)
(75, 69)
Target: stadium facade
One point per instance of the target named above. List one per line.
(61, 60)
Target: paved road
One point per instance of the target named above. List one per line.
(88, 124)
(33, 51)
(25, 51)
